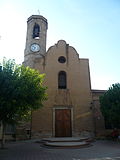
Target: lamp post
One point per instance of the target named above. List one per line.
(0, 68)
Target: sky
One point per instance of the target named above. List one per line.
(92, 27)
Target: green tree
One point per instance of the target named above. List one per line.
(110, 106)
(21, 91)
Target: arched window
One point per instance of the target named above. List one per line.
(62, 80)
(36, 31)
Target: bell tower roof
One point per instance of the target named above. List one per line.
(36, 17)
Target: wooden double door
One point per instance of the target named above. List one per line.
(63, 123)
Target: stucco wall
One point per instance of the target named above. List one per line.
(77, 95)
(99, 124)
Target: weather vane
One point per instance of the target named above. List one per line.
(38, 11)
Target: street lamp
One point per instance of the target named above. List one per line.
(0, 68)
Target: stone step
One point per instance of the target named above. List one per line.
(66, 139)
(67, 144)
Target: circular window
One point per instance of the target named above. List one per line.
(62, 59)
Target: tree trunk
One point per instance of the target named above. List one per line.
(30, 126)
(3, 136)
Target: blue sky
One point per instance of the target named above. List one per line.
(92, 27)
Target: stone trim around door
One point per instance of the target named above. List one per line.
(62, 107)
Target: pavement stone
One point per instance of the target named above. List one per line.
(30, 150)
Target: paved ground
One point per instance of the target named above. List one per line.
(29, 150)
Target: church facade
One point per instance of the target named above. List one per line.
(72, 108)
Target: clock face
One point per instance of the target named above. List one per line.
(35, 47)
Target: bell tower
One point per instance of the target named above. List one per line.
(35, 39)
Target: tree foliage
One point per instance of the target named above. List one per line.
(21, 90)
(110, 106)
